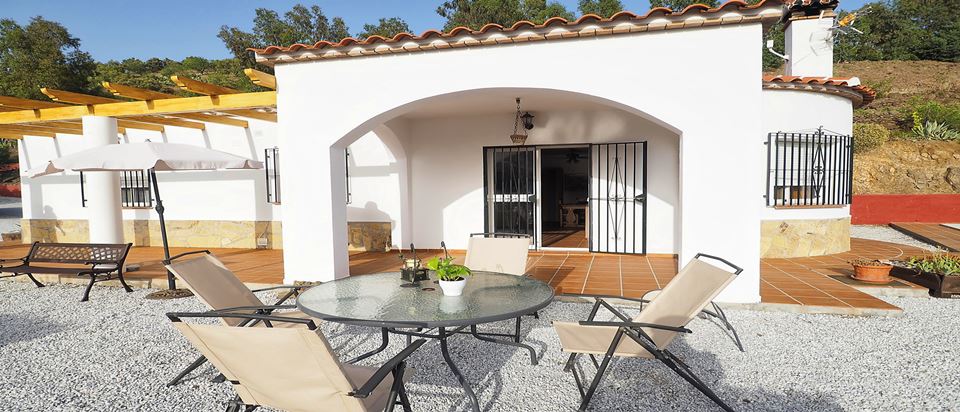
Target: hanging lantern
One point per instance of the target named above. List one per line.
(519, 135)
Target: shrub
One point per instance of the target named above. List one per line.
(867, 136)
(935, 131)
(922, 112)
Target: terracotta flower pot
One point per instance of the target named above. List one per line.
(876, 273)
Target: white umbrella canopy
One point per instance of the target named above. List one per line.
(153, 157)
(144, 156)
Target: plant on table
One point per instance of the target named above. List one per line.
(452, 276)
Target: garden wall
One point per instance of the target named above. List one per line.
(884, 209)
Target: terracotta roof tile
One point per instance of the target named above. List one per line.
(625, 16)
(867, 95)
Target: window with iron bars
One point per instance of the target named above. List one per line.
(809, 169)
(271, 165)
(134, 189)
(271, 162)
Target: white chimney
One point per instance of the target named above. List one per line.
(809, 38)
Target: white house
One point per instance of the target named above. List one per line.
(653, 133)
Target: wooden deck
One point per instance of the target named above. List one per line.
(943, 236)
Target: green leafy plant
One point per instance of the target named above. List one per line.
(447, 270)
(867, 136)
(947, 265)
(921, 112)
(936, 131)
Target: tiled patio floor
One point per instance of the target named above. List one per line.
(933, 233)
(796, 281)
(808, 281)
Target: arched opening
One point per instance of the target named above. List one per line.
(433, 162)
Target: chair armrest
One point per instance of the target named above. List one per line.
(21, 260)
(261, 315)
(635, 325)
(385, 370)
(297, 287)
(294, 291)
(587, 295)
(175, 257)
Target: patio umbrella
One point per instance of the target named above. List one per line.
(147, 156)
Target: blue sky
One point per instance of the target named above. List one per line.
(118, 29)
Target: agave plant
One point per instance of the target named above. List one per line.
(935, 131)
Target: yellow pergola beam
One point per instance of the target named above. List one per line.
(253, 114)
(85, 99)
(199, 87)
(11, 136)
(137, 93)
(261, 79)
(23, 104)
(30, 131)
(220, 103)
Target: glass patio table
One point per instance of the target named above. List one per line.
(379, 300)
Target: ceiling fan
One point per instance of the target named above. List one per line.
(574, 156)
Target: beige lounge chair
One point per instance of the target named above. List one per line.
(219, 288)
(293, 368)
(650, 332)
(499, 252)
(715, 312)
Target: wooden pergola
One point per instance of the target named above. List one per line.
(140, 108)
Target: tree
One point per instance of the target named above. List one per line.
(476, 13)
(937, 26)
(299, 25)
(677, 5)
(602, 8)
(41, 54)
(385, 28)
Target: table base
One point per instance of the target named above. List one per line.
(442, 335)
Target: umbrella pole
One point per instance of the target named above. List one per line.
(171, 281)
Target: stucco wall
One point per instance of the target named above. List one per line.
(656, 75)
(447, 168)
(203, 209)
(812, 231)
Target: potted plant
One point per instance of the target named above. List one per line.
(871, 271)
(452, 277)
(939, 273)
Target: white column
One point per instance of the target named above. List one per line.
(102, 189)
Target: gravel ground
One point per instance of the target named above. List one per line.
(10, 214)
(885, 233)
(115, 352)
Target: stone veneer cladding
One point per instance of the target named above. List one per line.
(802, 238)
(364, 236)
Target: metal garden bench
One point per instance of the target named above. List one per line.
(99, 261)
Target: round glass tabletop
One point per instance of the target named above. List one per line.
(487, 297)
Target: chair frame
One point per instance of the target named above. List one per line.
(717, 313)
(294, 291)
(395, 366)
(626, 327)
(536, 315)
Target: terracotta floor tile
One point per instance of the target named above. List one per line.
(820, 301)
(871, 303)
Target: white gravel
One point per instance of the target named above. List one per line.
(885, 233)
(115, 352)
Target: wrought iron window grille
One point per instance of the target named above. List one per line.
(809, 169)
(134, 190)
